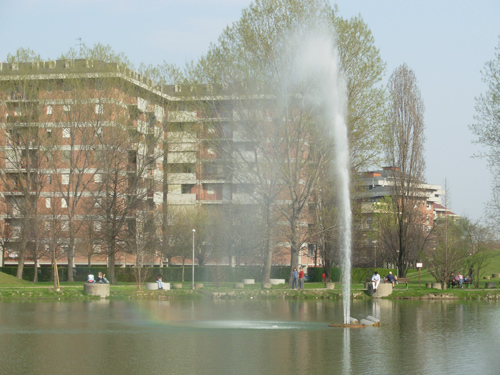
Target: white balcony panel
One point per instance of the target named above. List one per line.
(158, 197)
(182, 157)
(182, 116)
(243, 198)
(177, 147)
(181, 198)
(248, 156)
(182, 137)
(181, 178)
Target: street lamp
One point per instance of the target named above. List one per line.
(192, 276)
(375, 247)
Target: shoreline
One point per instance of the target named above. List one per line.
(127, 292)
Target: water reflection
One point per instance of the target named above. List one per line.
(247, 337)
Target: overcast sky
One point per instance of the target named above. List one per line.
(446, 43)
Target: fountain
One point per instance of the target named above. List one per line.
(318, 63)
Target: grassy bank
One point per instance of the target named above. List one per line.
(12, 289)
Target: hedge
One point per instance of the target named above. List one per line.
(202, 274)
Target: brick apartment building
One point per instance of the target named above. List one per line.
(90, 152)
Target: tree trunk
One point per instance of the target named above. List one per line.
(294, 251)
(20, 265)
(55, 272)
(268, 259)
(182, 270)
(111, 267)
(71, 258)
(35, 276)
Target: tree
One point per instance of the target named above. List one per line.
(142, 241)
(181, 224)
(448, 251)
(126, 158)
(24, 158)
(480, 242)
(85, 105)
(254, 58)
(487, 124)
(405, 155)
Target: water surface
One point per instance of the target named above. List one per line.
(247, 337)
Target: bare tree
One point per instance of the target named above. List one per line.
(487, 126)
(252, 62)
(405, 154)
(142, 241)
(23, 158)
(81, 113)
(480, 242)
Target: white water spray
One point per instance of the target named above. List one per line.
(317, 62)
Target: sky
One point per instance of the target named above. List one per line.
(446, 43)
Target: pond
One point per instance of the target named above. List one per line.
(248, 337)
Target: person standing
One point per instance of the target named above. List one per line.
(295, 278)
(301, 278)
(375, 280)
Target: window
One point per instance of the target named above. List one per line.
(49, 109)
(186, 189)
(66, 108)
(49, 133)
(97, 226)
(47, 202)
(97, 248)
(48, 179)
(66, 133)
(98, 178)
(65, 225)
(47, 226)
(64, 203)
(65, 179)
(98, 202)
(210, 189)
(99, 109)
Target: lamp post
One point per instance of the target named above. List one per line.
(192, 276)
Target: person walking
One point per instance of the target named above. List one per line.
(301, 278)
(295, 278)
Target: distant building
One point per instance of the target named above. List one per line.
(375, 186)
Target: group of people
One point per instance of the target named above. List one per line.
(298, 278)
(101, 278)
(458, 280)
(390, 278)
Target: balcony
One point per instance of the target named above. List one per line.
(181, 178)
(182, 157)
(243, 198)
(181, 199)
(182, 116)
